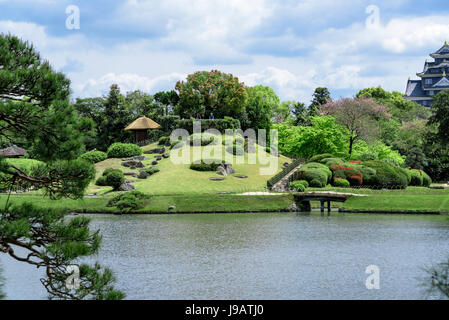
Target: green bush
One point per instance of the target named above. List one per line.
(417, 178)
(330, 161)
(152, 171)
(203, 166)
(298, 186)
(339, 182)
(109, 170)
(267, 149)
(94, 156)
(320, 157)
(426, 179)
(123, 150)
(115, 179)
(101, 181)
(236, 150)
(317, 183)
(319, 176)
(304, 182)
(163, 140)
(320, 166)
(387, 175)
(128, 201)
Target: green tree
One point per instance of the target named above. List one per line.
(262, 100)
(34, 105)
(440, 116)
(210, 92)
(168, 99)
(324, 135)
(320, 96)
(300, 114)
(359, 115)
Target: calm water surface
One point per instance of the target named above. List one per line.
(258, 256)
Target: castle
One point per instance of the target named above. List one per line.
(433, 78)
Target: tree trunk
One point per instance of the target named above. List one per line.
(351, 142)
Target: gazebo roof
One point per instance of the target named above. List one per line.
(143, 123)
(13, 151)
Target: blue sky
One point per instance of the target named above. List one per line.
(291, 46)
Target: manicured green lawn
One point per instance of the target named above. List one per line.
(188, 203)
(180, 179)
(412, 199)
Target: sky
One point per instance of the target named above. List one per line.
(292, 46)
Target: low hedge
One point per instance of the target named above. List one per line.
(211, 165)
(352, 175)
(317, 178)
(94, 156)
(152, 171)
(111, 177)
(387, 175)
(416, 178)
(123, 150)
(343, 183)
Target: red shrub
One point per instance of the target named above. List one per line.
(354, 176)
(355, 161)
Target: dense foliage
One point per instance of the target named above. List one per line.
(123, 150)
(94, 156)
(35, 111)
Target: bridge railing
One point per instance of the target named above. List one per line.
(278, 177)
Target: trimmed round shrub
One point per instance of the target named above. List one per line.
(94, 156)
(109, 170)
(317, 183)
(298, 186)
(416, 178)
(343, 183)
(203, 166)
(318, 175)
(236, 150)
(128, 201)
(163, 140)
(320, 166)
(115, 179)
(387, 176)
(304, 182)
(123, 150)
(268, 150)
(101, 181)
(319, 157)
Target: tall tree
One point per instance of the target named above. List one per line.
(210, 92)
(440, 116)
(34, 105)
(262, 100)
(320, 96)
(359, 115)
(168, 99)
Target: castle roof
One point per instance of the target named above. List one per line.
(13, 151)
(414, 89)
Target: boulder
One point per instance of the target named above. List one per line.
(166, 155)
(143, 174)
(132, 164)
(216, 179)
(139, 158)
(133, 174)
(171, 208)
(126, 187)
(228, 168)
(154, 162)
(158, 158)
(286, 164)
(239, 176)
(221, 171)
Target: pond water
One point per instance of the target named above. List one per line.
(259, 256)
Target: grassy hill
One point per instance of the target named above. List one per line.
(180, 179)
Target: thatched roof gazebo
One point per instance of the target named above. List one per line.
(13, 152)
(141, 126)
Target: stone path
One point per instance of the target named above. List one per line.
(281, 186)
